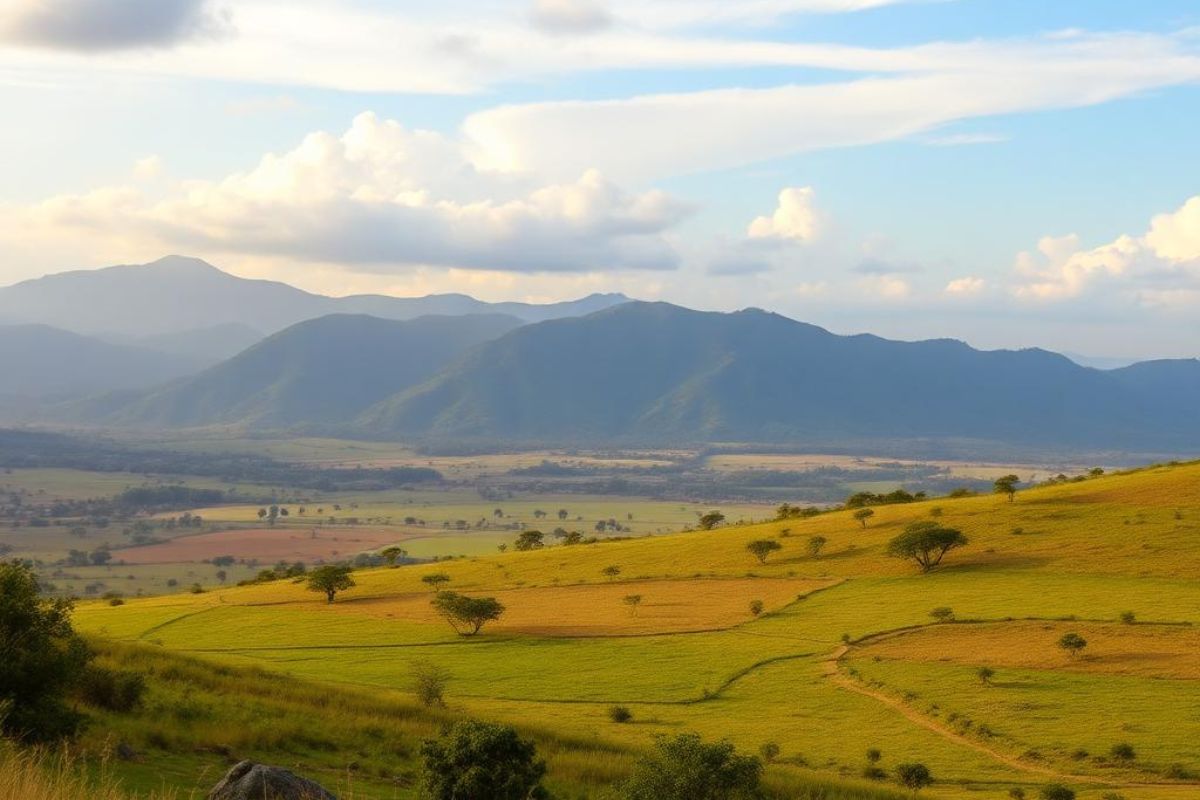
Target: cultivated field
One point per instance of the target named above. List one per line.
(844, 656)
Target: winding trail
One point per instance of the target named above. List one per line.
(831, 667)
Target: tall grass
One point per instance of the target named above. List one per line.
(37, 775)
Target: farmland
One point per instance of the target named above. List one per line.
(842, 657)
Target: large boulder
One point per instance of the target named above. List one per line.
(250, 781)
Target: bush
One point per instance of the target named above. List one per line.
(769, 751)
(1123, 751)
(1128, 617)
(429, 682)
(1056, 791)
(913, 776)
(482, 759)
(756, 607)
(111, 689)
(687, 768)
(43, 659)
(620, 714)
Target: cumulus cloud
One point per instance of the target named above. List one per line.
(382, 196)
(1169, 252)
(886, 287)
(795, 218)
(569, 16)
(105, 25)
(968, 286)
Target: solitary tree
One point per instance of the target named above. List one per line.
(815, 544)
(864, 514)
(985, 675)
(221, 576)
(711, 520)
(756, 607)
(43, 659)
(434, 580)
(610, 572)
(1073, 643)
(1007, 485)
(913, 776)
(330, 579)
(925, 542)
(474, 759)
(429, 682)
(761, 548)
(562, 513)
(943, 614)
(633, 601)
(688, 768)
(467, 615)
(529, 540)
(393, 554)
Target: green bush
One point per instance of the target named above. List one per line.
(114, 690)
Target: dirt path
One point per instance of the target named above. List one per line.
(831, 668)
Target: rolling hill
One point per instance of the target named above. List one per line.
(657, 372)
(320, 371)
(38, 361)
(178, 295)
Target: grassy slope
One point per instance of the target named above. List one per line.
(1090, 550)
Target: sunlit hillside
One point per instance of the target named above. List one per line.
(838, 656)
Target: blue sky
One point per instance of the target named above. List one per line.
(1006, 172)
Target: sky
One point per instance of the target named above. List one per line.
(1011, 173)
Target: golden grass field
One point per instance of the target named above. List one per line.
(1062, 557)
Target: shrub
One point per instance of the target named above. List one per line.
(1016, 793)
(1128, 617)
(913, 776)
(115, 690)
(482, 759)
(43, 658)
(756, 607)
(873, 755)
(687, 768)
(1056, 791)
(943, 614)
(620, 714)
(769, 751)
(1123, 751)
(429, 682)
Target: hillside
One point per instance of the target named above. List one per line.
(844, 657)
(657, 372)
(320, 371)
(179, 295)
(38, 361)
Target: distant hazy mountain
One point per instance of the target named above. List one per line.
(210, 344)
(320, 371)
(38, 361)
(659, 372)
(177, 294)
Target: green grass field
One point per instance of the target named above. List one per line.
(1079, 553)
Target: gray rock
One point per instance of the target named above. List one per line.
(250, 781)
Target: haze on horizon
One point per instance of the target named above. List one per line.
(998, 172)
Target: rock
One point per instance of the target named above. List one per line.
(250, 781)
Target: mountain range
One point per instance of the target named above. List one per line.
(625, 372)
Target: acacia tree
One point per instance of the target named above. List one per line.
(864, 514)
(474, 759)
(633, 601)
(913, 776)
(529, 540)
(611, 572)
(467, 615)
(43, 659)
(925, 542)
(711, 520)
(393, 554)
(815, 544)
(1007, 485)
(1073, 643)
(330, 579)
(434, 580)
(761, 548)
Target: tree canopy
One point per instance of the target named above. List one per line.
(467, 615)
(925, 542)
(687, 768)
(473, 759)
(330, 579)
(761, 548)
(43, 659)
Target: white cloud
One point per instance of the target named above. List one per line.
(968, 286)
(886, 287)
(1169, 252)
(795, 218)
(148, 168)
(379, 197)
